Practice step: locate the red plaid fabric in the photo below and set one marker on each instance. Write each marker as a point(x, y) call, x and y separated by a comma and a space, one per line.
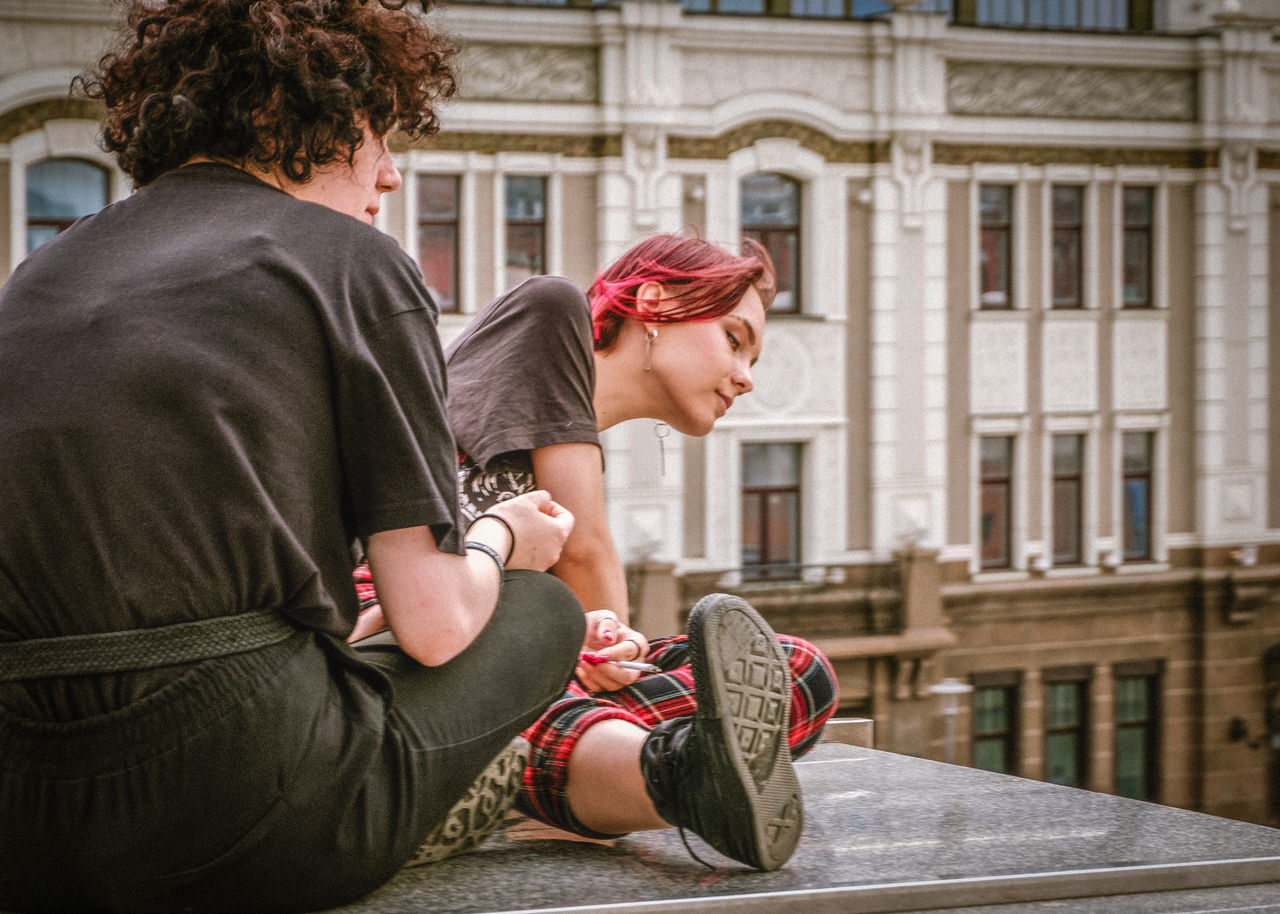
point(651, 699)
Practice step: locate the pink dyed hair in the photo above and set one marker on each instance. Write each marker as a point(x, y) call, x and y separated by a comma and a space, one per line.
point(703, 279)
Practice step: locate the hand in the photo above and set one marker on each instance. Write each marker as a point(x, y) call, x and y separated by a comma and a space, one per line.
point(608, 636)
point(540, 526)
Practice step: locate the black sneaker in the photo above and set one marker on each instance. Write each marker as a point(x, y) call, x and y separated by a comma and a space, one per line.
point(482, 808)
point(725, 773)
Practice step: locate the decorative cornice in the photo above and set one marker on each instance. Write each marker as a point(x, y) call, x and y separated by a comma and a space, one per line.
point(521, 73)
point(833, 150)
point(1096, 93)
point(967, 154)
point(27, 118)
point(579, 146)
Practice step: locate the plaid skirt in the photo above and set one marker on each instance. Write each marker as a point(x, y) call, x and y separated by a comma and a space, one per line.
point(651, 699)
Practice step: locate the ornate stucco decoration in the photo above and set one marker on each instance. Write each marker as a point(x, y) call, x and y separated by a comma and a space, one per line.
point(1103, 93)
point(524, 73)
point(1238, 177)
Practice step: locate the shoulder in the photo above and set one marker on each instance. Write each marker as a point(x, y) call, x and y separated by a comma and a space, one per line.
point(550, 297)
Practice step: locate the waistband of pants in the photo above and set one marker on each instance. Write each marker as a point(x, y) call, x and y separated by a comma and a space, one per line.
point(142, 648)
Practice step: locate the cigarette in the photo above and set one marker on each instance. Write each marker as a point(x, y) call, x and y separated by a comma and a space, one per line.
point(636, 665)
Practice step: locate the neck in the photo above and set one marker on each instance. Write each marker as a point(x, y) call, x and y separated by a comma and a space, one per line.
point(619, 395)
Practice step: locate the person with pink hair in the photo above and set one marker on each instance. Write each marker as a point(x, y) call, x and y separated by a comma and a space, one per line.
point(669, 331)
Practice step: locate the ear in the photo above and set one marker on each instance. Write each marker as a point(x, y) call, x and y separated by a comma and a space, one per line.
point(649, 297)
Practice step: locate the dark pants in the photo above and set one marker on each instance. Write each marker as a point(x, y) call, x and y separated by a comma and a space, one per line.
point(293, 778)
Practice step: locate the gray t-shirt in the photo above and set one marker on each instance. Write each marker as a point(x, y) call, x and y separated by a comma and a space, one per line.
point(521, 376)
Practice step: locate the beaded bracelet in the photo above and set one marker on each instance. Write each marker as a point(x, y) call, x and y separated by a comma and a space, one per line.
point(491, 552)
point(501, 520)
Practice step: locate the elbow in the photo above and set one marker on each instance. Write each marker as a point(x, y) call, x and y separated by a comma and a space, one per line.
point(435, 648)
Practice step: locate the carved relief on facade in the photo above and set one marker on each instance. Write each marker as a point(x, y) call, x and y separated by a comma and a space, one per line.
point(1070, 367)
point(1103, 93)
point(524, 73)
point(715, 77)
point(998, 377)
point(1140, 358)
point(784, 376)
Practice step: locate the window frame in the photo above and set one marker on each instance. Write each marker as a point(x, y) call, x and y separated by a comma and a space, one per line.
point(1151, 674)
point(1149, 514)
point(772, 570)
point(1145, 230)
point(1009, 685)
point(421, 223)
point(792, 233)
point(541, 223)
point(1079, 680)
point(1005, 231)
point(1075, 229)
point(1079, 479)
point(985, 484)
point(58, 223)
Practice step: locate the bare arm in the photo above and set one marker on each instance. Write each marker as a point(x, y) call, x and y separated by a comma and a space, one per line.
point(435, 602)
point(589, 563)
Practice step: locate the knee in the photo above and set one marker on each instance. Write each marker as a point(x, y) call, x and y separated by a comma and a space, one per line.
point(549, 606)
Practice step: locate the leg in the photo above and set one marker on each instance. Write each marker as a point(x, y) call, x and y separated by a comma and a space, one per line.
point(655, 698)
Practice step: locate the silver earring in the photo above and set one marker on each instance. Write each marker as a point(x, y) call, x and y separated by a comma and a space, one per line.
point(650, 335)
point(662, 431)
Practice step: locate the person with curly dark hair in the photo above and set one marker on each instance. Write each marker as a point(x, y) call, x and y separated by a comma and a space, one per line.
point(213, 389)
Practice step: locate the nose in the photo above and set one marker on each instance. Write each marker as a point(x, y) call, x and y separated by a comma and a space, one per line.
point(742, 378)
point(388, 176)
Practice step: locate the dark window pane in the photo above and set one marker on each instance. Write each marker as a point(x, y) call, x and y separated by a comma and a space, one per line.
point(1137, 246)
point(771, 215)
point(771, 509)
point(995, 202)
point(1068, 488)
point(1068, 215)
point(438, 237)
point(526, 197)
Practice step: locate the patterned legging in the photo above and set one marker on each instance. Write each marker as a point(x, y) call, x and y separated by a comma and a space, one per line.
point(651, 699)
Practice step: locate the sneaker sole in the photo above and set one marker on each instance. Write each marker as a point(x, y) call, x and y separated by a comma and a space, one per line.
point(482, 809)
point(739, 665)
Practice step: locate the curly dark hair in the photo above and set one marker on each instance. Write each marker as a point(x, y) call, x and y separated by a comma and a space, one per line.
point(274, 83)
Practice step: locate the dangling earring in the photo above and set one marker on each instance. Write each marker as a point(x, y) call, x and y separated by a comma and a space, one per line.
point(650, 335)
point(662, 431)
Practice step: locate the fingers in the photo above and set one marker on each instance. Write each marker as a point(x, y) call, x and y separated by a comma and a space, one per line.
point(541, 527)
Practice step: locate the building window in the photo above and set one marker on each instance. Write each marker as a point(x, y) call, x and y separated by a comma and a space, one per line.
point(1066, 726)
point(1068, 499)
point(526, 228)
point(771, 510)
point(1137, 712)
point(438, 237)
point(1068, 245)
point(995, 245)
point(1136, 282)
point(771, 216)
point(1137, 471)
point(60, 191)
point(995, 722)
point(1085, 15)
point(995, 501)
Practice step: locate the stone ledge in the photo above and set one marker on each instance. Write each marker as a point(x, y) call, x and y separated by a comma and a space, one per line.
point(883, 833)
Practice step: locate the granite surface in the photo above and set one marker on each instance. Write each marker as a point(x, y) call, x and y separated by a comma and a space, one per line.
point(883, 832)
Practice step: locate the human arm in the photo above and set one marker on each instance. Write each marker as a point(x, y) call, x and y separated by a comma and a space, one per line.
point(435, 602)
point(589, 563)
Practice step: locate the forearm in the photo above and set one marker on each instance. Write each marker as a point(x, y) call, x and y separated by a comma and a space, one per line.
point(435, 603)
point(590, 566)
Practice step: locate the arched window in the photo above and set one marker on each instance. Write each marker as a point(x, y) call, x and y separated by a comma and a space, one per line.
point(771, 215)
point(60, 191)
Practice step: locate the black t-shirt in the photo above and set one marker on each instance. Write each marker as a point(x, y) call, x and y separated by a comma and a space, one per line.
point(521, 376)
point(209, 390)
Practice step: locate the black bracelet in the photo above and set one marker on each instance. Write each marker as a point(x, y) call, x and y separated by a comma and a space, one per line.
point(491, 552)
point(503, 521)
